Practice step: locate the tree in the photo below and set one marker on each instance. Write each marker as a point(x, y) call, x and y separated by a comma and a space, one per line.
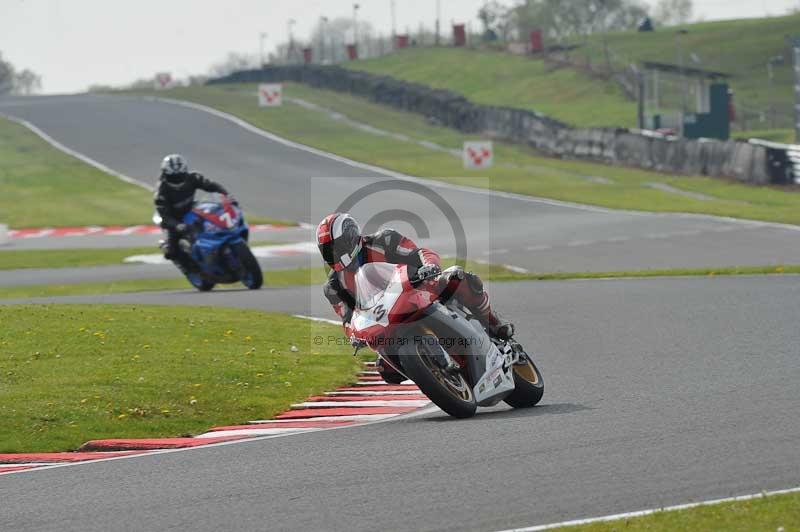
point(495, 19)
point(674, 12)
point(7, 75)
point(330, 37)
point(24, 82)
point(100, 88)
point(27, 82)
point(232, 63)
point(141, 84)
point(562, 19)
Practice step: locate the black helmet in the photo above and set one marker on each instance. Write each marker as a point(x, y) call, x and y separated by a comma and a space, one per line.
point(339, 240)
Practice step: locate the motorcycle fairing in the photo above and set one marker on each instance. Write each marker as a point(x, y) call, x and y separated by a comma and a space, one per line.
point(490, 368)
point(498, 380)
point(208, 248)
point(389, 308)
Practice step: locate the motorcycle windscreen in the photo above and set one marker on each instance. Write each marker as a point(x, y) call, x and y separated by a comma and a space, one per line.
point(371, 282)
point(378, 287)
point(218, 216)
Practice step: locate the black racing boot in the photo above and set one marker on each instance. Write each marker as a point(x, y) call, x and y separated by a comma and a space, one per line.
point(185, 263)
point(388, 373)
point(497, 326)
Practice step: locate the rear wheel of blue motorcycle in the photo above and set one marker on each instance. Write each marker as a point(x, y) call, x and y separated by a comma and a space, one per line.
point(251, 275)
point(528, 385)
point(448, 389)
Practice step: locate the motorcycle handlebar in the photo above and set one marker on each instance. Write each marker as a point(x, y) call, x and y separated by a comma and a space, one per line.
point(417, 279)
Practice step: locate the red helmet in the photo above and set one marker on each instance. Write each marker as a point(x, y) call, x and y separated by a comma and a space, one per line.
point(339, 240)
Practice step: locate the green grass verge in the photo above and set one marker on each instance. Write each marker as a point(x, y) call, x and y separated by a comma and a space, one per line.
point(258, 220)
point(311, 276)
point(71, 373)
point(519, 169)
point(502, 274)
point(43, 187)
point(73, 258)
point(768, 514)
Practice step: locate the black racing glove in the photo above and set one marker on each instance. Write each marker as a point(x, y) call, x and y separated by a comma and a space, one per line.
point(181, 229)
point(426, 273)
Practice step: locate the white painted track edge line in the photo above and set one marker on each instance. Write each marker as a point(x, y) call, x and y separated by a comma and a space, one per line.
point(73, 153)
point(441, 184)
point(373, 394)
point(403, 403)
point(643, 513)
point(312, 318)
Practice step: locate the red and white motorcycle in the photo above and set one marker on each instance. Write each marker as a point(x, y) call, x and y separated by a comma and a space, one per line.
point(438, 344)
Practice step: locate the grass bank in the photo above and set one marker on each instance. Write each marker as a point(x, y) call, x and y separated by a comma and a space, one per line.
point(498, 78)
point(43, 187)
point(738, 47)
point(73, 373)
point(518, 169)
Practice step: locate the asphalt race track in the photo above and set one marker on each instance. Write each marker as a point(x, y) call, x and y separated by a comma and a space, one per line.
point(131, 135)
point(659, 391)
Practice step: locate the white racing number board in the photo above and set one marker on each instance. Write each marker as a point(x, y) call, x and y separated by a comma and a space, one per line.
point(478, 155)
point(163, 81)
point(270, 95)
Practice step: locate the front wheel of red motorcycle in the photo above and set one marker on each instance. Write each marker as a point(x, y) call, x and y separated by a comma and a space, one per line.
point(448, 389)
point(528, 385)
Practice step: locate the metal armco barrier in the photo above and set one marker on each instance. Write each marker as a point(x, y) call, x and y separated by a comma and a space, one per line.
point(750, 162)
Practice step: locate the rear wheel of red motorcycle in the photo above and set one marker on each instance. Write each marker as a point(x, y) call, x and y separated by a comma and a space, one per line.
point(449, 390)
point(251, 274)
point(528, 385)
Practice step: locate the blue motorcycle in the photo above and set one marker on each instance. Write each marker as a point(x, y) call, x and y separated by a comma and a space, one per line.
point(217, 243)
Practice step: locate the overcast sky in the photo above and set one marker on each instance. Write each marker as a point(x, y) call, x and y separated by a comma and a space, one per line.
point(74, 43)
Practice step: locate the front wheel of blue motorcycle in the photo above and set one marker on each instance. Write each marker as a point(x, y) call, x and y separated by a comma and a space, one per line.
point(250, 275)
point(198, 282)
